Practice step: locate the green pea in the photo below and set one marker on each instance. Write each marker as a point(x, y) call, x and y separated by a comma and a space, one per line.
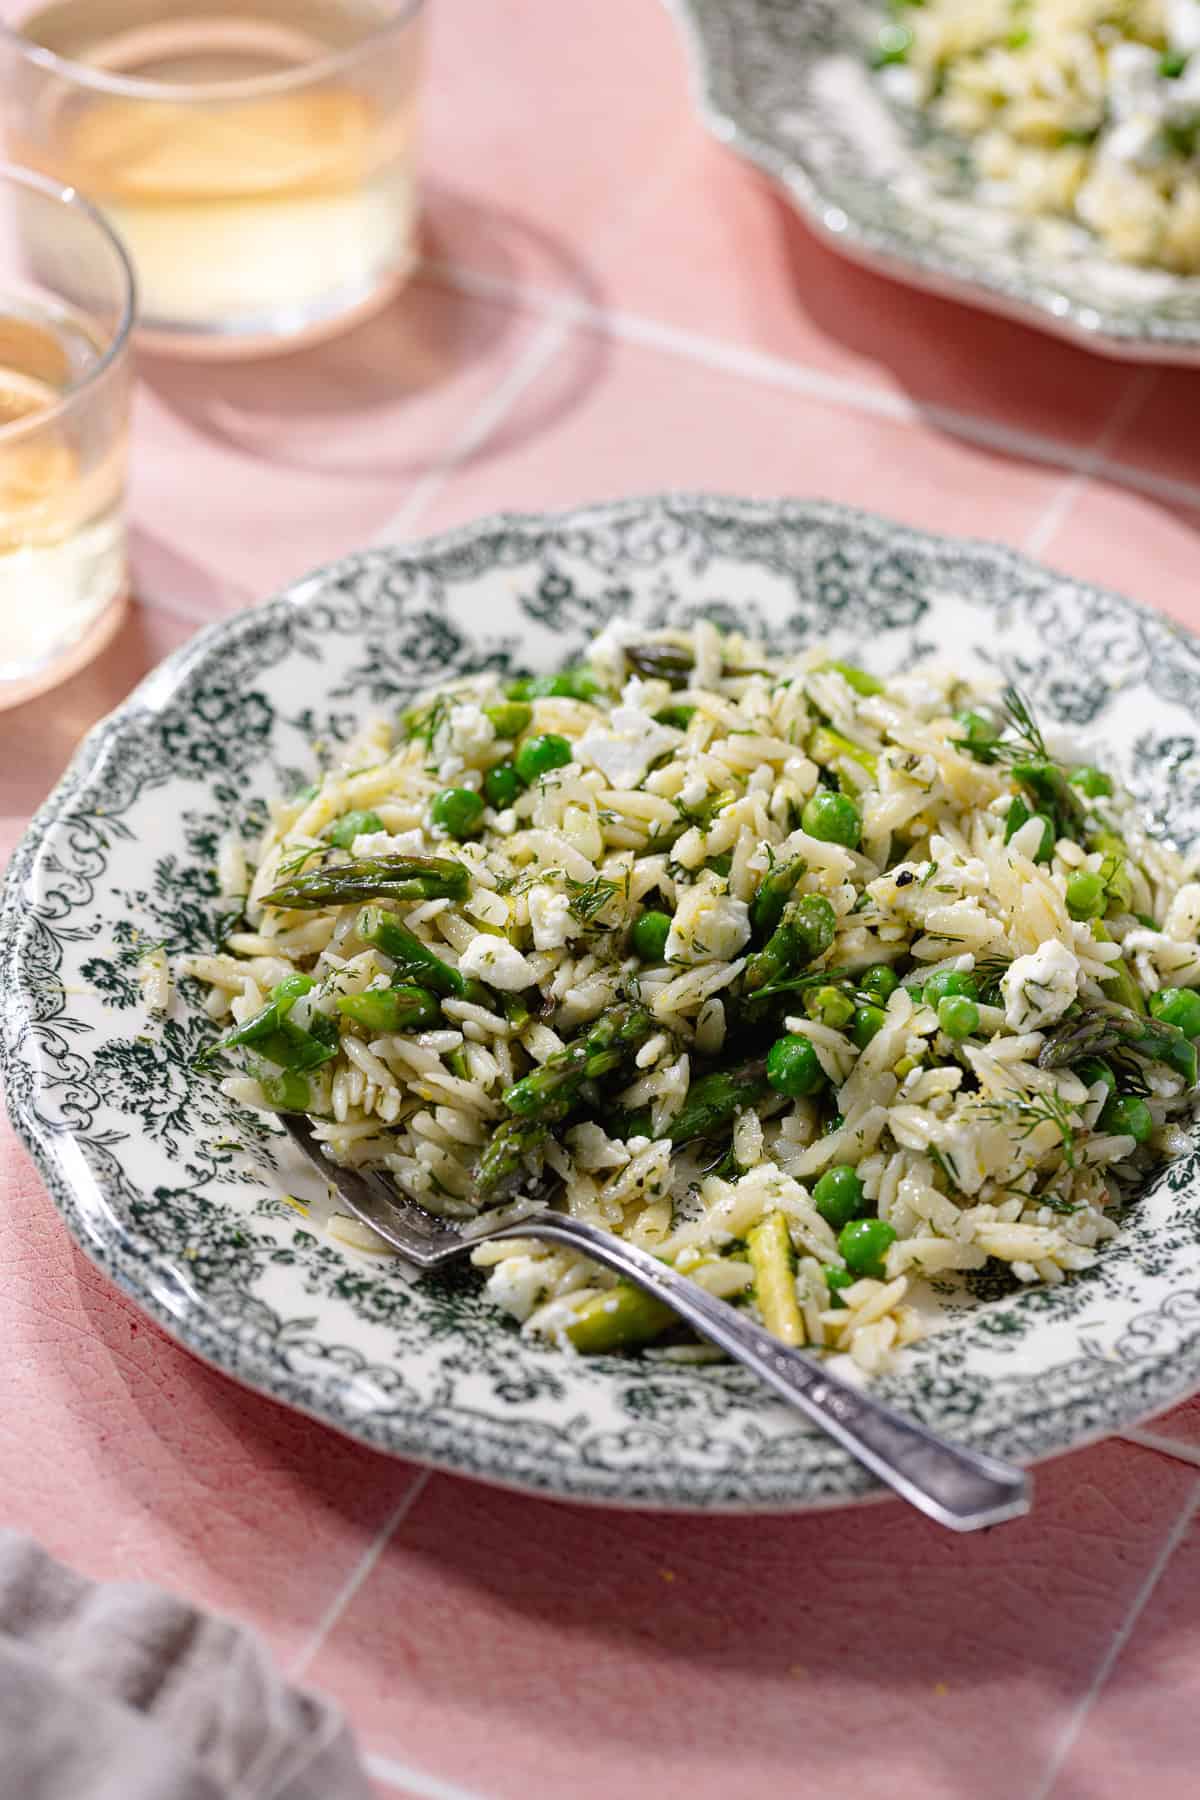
point(793, 1067)
point(891, 46)
point(509, 719)
point(813, 924)
point(833, 818)
point(678, 716)
point(868, 1023)
point(649, 936)
point(831, 1005)
point(538, 755)
point(352, 825)
point(456, 811)
point(864, 1243)
point(289, 990)
point(979, 736)
point(949, 981)
point(838, 1196)
point(1128, 1116)
point(835, 1279)
point(1091, 1069)
point(880, 982)
point(1172, 63)
point(958, 1016)
point(502, 786)
point(571, 684)
point(1178, 1006)
point(1087, 897)
point(1092, 782)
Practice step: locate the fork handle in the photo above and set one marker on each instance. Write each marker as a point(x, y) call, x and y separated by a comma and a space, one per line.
point(959, 1488)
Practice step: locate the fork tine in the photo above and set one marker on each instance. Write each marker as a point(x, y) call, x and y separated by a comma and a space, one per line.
point(428, 1242)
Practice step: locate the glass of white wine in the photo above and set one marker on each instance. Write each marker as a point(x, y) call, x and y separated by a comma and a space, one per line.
point(66, 311)
point(255, 156)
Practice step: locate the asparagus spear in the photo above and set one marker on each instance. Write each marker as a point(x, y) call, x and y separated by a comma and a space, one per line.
point(778, 885)
point(601, 1049)
point(713, 1100)
point(1051, 792)
point(621, 1318)
point(858, 679)
point(264, 1023)
point(415, 960)
point(374, 878)
point(286, 1090)
point(804, 933)
point(1118, 977)
point(1117, 1028)
point(672, 663)
point(828, 748)
point(403, 1008)
point(770, 1250)
point(505, 1151)
point(1114, 870)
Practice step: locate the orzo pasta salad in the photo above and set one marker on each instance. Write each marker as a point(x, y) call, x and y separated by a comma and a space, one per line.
point(824, 988)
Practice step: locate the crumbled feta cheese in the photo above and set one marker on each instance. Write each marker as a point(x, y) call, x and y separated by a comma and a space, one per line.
point(470, 730)
point(624, 749)
point(1039, 988)
point(693, 791)
point(1183, 25)
point(518, 1284)
point(505, 822)
point(496, 961)
point(708, 926)
point(550, 918)
point(608, 649)
point(384, 843)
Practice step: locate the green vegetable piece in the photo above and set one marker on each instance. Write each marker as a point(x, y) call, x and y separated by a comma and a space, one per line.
point(958, 1016)
point(679, 717)
point(414, 960)
point(831, 750)
point(648, 938)
point(352, 825)
point(793, 1067)
point(1018, 815)
point(1091, 781)
point(291, 1047)
point(980, 737)
point(833, 818)
point(713, 1100)
point(831, 1005)
point(457, 811)
point(805, 932)
point(374, 878)
point(1127, 1116)
point(858, 679)
point(457, 1063)
point(537, 756)
point(1172, 63)
point(864, 1243)
point(868, 1023)
point(267, 1021)
point(1046, 784)
point(814, 923)
point(569, 684)
point(1179, 1007)
point(892, 45)
point(836, 1279)
point(510, 718)
point(613, 1040)
point(879, 983)
point(770, 1250)
point(1100, 1029)
point(286, 1091)
point(1086, 895)
point(621, 1318)
point(1118, 978)
point(672, 663)
point(502, 786)
point(838, 1195)
point(391, 1009)
point(949, 981)
point(775, 890)
point(501, 1163)
point(1091, 1069)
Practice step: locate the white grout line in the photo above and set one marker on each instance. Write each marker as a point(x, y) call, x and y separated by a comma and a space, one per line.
point(385, 1769)
point(1082, 1712)
point(1150, 1440)
point(362, 1569)
point(482, 422)
point(857, 396)
point(1063, 501)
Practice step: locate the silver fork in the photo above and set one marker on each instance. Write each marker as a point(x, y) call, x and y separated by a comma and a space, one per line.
point(959, 1488)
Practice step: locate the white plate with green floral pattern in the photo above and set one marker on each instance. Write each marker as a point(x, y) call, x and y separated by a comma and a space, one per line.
point(180, 1197)
point(787, 84)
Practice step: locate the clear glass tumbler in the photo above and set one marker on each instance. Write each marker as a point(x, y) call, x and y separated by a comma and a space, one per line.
point(255, 156)
point(66, 310)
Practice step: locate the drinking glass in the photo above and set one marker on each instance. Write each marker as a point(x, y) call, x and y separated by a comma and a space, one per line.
point(66, 309)
point(255, 156)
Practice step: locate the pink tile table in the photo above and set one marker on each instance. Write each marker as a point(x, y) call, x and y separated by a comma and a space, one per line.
point(609, 304)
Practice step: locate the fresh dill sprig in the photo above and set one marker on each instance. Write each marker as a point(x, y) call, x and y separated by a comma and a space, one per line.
point(1019, 738)
point(590, 897)
point(1025, 1112)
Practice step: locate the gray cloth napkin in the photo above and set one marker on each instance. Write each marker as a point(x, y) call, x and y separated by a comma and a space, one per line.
point(126, 1693)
